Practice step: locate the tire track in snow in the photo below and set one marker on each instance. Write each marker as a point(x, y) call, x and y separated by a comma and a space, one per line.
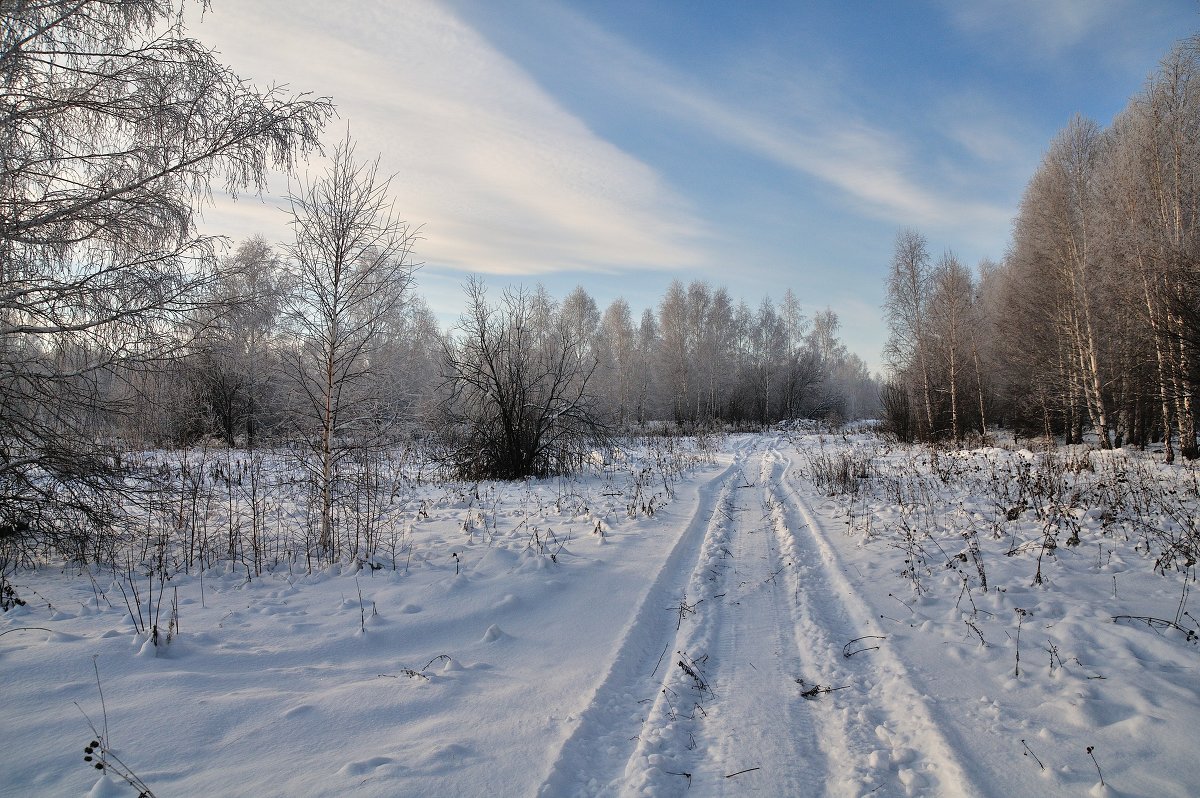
point(760, 728)
point(734, 721)
point(717, 712)
point(894, 746)
point(767, 605)
point(594, 758)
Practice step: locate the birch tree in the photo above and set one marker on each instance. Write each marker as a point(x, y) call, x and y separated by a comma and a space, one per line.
point(350, 270)
point(117, 126)
point(1057, 222)
point(676, 349)
point(1165, 135)
point(647, 403)
point(616, 351)
point(234, 350)
point(950, 323)
point(906, 309)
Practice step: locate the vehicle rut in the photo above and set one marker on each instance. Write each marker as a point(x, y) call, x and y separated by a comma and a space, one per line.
point(594, 758)
point(732, 678)
point(896, 748)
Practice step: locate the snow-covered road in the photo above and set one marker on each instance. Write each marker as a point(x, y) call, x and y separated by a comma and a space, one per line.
point(751, 692)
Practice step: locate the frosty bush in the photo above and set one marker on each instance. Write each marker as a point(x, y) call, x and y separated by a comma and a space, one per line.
point(516, 381)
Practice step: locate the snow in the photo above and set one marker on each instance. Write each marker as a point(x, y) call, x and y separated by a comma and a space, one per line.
point(751, 634)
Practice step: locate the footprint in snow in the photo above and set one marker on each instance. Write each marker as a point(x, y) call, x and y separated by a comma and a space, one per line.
point(444, 758)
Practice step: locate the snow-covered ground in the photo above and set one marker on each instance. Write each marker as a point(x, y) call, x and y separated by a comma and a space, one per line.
point(796, 614)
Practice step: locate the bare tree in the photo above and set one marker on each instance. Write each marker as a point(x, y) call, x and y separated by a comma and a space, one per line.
point(115, 126)
point(616, 351)
point(983, 333)
point(517, 377)
point(1097, 296)
point(409, 364)
point(1057, 228)
point(799, 373)
point(1158, 190)
point(234, 347)
point(715, 342)
point(580, 313)
point(676, 348)
point(906, 309)
point(827, 368)
point(350, 271)
point(767, 348)
point(646, 402)
point(950, 324)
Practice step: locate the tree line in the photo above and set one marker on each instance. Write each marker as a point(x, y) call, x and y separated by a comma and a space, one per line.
point(279, 367)
point(1090, 325)
point(122, 325)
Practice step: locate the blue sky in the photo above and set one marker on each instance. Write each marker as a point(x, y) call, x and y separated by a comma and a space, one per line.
point(758, 145)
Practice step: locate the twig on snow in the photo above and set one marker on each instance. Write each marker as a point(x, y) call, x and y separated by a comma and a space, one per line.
point(26, 629)
point(1029, 752)
point(847, 653)
point(660, 659)
point(1158, 623)
point(817, 689)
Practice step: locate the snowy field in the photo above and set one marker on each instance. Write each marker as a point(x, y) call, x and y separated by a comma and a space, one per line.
point(784, 614)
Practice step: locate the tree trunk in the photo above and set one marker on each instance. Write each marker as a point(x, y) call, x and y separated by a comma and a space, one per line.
point(327, 431)
point(926, 391)
point(979, 386)
point(954, 393)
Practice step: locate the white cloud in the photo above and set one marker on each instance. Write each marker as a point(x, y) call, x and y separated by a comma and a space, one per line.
point(985, 131)
point(502, 179)
point(1047, 27)
point(813, 134)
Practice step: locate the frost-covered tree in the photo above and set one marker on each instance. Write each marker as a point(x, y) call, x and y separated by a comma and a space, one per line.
point(647, 398)
point(1089, 328)
point(951, 323)
point(1058, 221)
point(617, 354)
point(349, 270)
point(906, 311)
point(116, 126)
point(517, 389)
point(233, 358)
point(580, 313)
point(676, 348)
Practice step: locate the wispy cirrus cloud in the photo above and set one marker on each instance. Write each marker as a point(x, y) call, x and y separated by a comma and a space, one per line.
point(1046, 27)
point(502, 178)
point(867, 165)
point(1107, 39)
point(802, 126)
